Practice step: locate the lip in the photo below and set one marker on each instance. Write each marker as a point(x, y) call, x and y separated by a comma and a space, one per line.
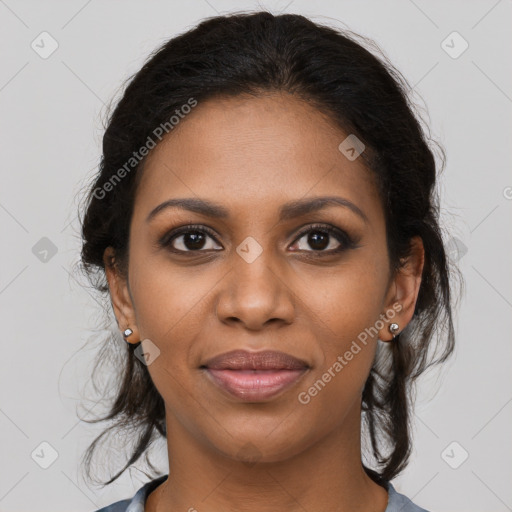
point(264, 360)
point(255, 376)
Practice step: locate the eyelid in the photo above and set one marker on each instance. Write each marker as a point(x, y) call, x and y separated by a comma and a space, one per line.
point(345, 239)
point(170, 235)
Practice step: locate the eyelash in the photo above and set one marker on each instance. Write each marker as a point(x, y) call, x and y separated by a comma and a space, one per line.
point(345, 240)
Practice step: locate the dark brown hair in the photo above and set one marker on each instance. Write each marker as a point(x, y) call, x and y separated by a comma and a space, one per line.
point(365, 95)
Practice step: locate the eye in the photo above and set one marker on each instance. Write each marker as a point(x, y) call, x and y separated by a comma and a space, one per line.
point(324, 238)
point(190, 239)
point(320, 238)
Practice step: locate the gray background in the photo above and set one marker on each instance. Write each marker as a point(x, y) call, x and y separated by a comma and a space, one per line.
point(51, 129)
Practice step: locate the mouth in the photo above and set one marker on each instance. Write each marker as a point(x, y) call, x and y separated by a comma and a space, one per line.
point(254, 376)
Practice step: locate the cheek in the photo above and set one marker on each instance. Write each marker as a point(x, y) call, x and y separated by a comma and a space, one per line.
point(343, 301)
point(171, 305)
point(169, 300)
point(343, 309)
point(344, 325)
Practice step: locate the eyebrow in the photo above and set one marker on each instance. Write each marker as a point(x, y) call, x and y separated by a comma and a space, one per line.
point(288, 211)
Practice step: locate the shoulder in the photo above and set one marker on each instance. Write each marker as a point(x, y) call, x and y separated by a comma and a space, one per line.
point(400, 503)
point(137, 502)
point(118, 506)
point(396, 503)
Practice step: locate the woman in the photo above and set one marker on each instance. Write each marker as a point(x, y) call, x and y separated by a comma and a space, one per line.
point(265, 223)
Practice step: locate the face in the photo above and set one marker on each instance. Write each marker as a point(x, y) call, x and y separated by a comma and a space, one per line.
point(262, 271)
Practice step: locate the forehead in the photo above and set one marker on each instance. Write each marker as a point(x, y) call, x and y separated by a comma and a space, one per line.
point(247, 151)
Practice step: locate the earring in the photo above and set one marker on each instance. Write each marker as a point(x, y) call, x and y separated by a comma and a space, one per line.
point(127, 333)
point(393, 329)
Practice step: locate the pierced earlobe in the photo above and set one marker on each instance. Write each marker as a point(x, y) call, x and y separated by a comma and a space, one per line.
point(126, 334)
point(393, 329)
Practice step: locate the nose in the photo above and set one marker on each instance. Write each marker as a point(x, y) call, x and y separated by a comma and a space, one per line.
point(255, 295)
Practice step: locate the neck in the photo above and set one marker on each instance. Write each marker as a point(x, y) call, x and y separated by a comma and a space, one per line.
point(327, 476)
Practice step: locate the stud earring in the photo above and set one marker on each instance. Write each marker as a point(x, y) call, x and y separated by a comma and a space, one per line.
point(127, 333)
point(393, 329)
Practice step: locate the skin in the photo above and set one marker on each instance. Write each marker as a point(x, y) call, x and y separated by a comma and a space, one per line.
point(251, 155)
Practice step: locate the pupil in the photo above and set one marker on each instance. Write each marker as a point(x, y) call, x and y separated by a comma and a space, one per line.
point(194, 240)
point(318, 240)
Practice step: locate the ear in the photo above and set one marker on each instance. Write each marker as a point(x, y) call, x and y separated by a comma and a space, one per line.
point(403, 290)
point(120, 296)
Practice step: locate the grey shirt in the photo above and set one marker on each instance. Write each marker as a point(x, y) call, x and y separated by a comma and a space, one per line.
point(396, 503)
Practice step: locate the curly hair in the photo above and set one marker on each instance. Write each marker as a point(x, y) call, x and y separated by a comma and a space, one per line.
point(255, 53)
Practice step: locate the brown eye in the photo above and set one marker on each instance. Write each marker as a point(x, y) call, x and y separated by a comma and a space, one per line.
point(190, 239)
point(323, 238)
